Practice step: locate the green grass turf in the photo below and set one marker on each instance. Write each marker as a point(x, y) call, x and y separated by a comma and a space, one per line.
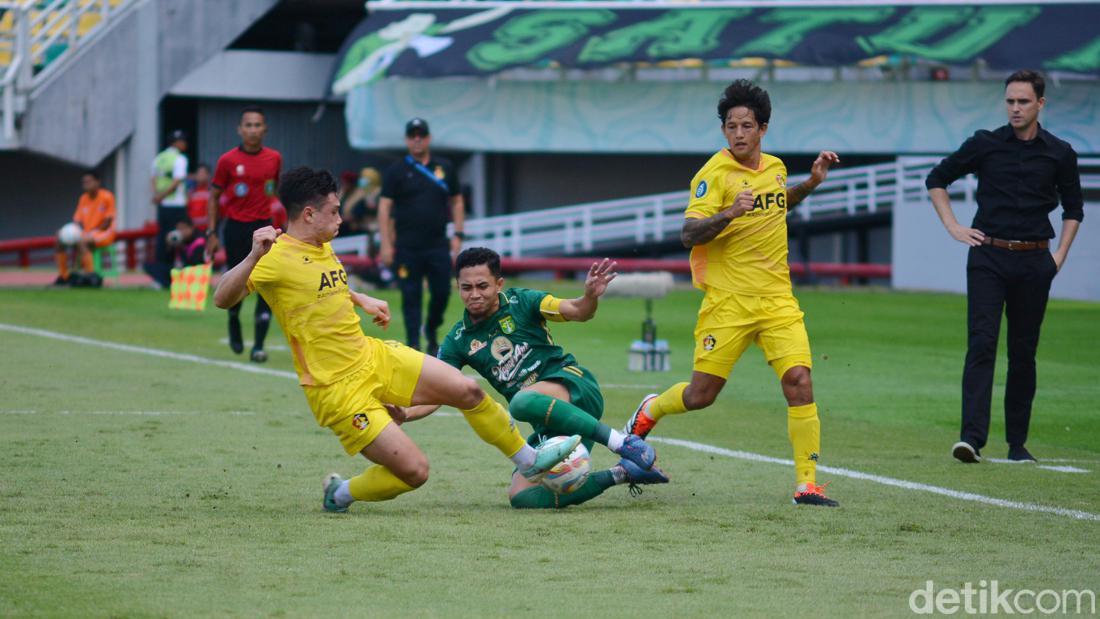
point(133, 485)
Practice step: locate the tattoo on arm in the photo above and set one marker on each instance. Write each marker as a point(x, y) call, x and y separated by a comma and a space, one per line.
point(702, 231)
point(798, 194)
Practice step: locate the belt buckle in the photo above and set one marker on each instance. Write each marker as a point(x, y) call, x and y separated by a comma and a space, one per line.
point(1014, 245)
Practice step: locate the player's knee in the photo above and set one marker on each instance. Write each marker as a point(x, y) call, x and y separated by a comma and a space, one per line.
point(470, 394)
point(797, 377)
point(415, 473)
point(798, 386)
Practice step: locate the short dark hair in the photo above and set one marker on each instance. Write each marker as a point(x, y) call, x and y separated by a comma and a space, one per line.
point(185, 220)
point(91, 173)
point(253, 108)
point(201, 166)
point(476, 256)
point(1031, 77)
point(744, 93)
point(304, 186)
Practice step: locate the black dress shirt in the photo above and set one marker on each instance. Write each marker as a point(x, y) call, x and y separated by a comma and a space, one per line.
point(1018, 182)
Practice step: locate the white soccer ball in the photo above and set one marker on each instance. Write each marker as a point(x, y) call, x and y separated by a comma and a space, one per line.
point(569, 474)
point(70, 233)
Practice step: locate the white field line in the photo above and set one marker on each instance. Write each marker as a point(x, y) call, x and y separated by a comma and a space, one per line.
point(153, 352)
point(886, 481)
point(124, 413)
point(701, 447)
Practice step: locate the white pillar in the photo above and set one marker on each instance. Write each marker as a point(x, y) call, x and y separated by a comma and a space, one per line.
point(143, 145)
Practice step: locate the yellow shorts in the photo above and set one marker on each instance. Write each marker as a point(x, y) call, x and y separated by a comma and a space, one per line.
point(729, 322)
point(352, 406)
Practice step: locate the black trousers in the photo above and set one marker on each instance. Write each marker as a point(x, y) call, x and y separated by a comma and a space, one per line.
point(237, 240)
point(167, 218)
point(1016, 284)
point(412, 267)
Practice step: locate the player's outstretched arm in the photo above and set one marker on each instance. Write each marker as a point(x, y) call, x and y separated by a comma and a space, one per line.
point(233, 286)
point(584, 307)
point(818, 171)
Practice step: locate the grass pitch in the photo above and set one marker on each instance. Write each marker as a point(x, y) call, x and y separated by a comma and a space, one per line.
point(134, 485)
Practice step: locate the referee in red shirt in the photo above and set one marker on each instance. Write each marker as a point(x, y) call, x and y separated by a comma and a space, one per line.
point(249, 177)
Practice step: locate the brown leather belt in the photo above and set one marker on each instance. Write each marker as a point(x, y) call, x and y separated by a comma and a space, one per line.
point(1015, 245)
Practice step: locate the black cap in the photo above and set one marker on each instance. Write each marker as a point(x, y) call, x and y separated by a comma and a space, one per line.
point(178, 134)
point(417, 125)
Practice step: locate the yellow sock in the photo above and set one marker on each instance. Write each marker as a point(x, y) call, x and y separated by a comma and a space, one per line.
point(495, 426)
point(671, 402)
point(377, 483)
point(804, 429)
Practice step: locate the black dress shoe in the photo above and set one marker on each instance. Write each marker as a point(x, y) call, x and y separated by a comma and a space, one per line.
point(965, 452)
point(1019, 453)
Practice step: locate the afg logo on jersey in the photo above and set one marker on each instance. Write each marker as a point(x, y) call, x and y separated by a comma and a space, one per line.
point(709, 342)
point(360, 421)
point(331, 278)
point(700, 189)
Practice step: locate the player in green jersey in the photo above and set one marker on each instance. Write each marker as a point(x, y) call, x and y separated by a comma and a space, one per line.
point(504, 337)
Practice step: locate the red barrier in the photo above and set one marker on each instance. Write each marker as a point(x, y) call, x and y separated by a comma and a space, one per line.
point(563, 267)
point(23, 247)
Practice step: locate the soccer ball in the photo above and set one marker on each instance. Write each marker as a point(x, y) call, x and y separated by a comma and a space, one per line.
point(569, 474)
point(70, 233)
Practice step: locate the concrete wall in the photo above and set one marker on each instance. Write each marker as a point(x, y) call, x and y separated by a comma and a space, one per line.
point(927, 258)
point(39, 194)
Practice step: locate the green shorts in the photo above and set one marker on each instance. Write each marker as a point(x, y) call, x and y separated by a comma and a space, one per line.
point(584, 393)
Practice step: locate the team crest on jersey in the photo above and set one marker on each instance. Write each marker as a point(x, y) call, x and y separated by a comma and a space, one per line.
point(507, 325)
point(501, 348)
point(709, 342)
point(360, 421)
point(439, 172)
point(475, 345)
point(240, 189)
point(782, 181)
point(701, 189)
point(269, 187)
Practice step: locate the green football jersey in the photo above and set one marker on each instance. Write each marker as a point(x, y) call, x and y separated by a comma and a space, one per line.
point(512, 348)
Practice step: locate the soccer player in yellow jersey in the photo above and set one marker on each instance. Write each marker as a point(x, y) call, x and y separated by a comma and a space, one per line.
point(736, 227)
point(350, 379)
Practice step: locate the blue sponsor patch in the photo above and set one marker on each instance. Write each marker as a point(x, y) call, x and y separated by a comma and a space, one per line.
point(701, 189)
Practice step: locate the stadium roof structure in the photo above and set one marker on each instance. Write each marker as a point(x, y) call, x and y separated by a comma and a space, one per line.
point(443, 38)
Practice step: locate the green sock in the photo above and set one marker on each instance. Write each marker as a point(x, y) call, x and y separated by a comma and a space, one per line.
point(539, 497)
point(558, 416)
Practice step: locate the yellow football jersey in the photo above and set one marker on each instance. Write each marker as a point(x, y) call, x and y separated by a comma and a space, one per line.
point(749, 256)
point(307, 289)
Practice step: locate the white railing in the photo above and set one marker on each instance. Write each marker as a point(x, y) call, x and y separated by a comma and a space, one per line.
point(582, 228)
point(42, 34)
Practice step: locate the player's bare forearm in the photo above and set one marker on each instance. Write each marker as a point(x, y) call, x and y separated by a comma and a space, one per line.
point(580, 309)
point(799, 192)
point(412, 413)
point(702, 231)
point(233, 286)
